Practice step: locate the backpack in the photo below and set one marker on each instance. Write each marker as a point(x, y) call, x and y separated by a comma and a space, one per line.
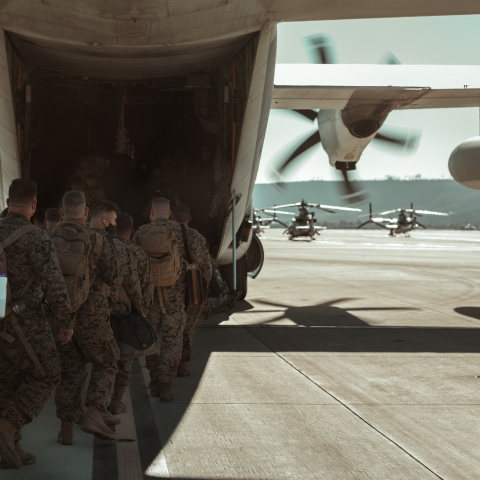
point(73, 249)
point(196, 294)
point(158, 243)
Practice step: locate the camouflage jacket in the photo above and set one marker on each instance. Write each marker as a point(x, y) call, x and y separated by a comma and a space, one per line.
point(104, 273)
point(201, 257)
point(35, 254)
point(140, 267)
point(178, 238)
point(130, 282)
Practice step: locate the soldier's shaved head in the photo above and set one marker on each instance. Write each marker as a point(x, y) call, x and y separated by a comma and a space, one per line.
point(182, 213)
point(74, 204)
point(124, 224)
point(160, 208)
point(22, 191)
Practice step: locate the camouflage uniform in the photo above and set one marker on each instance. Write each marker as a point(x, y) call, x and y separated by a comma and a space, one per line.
point(169, 326)
point(23, 391)
point(93, 340)
point(137, 289)
point(206, 269)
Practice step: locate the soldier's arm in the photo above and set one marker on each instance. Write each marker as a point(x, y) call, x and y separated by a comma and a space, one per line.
point(146, 277)
point(206, 263)
point(130, 283)
point(44, 260)
point(137, 237)
point(108, 265)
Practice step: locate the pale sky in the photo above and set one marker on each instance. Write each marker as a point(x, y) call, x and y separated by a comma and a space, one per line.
point(421, 41)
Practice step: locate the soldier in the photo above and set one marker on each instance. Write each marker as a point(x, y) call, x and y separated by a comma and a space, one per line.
point(94, 342)
point(182, 216)
point(53, 218)
point(29, 364)
point(139, 266)
point(168, 310)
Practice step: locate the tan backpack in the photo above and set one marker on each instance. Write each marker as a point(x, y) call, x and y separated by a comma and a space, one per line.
point(159, 244)
point(73, 249)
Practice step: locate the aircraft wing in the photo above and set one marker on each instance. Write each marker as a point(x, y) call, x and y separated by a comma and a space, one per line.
point(307, 86)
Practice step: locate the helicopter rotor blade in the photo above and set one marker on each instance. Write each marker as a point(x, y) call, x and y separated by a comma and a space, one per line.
point(286, 206)
point(364, 223)
point(388, 212)
point(277, 211)
point(428, 212)
point(422, 226)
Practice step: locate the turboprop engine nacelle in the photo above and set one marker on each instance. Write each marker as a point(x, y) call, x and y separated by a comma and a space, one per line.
point(464, 163)
point(346, 134)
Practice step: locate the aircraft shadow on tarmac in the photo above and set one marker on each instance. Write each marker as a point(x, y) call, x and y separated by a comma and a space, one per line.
point(353, 335)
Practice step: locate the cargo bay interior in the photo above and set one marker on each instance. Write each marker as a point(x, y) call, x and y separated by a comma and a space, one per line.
point(133, 140)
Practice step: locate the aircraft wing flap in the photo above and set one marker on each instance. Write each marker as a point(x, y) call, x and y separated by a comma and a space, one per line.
point(395, 86)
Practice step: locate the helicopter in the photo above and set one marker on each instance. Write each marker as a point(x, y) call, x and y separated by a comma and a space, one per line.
point(260, 224)
point(303, 224)
point(405, 223)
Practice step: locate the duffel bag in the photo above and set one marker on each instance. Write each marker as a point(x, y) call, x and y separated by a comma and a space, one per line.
point(134, 335)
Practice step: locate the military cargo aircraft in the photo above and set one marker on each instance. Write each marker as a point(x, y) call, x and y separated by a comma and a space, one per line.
point(149, 79)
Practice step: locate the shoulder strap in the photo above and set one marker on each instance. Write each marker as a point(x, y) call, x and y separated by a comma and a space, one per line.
point(185, 242)
point(19, 232)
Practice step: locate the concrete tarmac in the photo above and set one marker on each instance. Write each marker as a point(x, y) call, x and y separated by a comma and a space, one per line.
point(355, 356)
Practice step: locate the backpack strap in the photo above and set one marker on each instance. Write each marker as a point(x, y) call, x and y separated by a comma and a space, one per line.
point(19, 232)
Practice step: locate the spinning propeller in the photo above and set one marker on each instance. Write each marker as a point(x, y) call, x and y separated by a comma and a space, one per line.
point(321, 51)
point(326, 208)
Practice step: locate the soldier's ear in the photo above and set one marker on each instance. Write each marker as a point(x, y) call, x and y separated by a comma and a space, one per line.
point(87, 211)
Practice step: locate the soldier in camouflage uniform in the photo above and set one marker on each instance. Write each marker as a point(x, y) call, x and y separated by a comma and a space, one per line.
point(139, 268)
point(24, 388)
point(182, 216)
point(169, 325)
point(93, 342)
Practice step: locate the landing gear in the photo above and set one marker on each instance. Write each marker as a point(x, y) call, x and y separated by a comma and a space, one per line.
point(227, 275)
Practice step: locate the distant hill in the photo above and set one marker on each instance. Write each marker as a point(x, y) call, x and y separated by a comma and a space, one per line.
point(438, 195)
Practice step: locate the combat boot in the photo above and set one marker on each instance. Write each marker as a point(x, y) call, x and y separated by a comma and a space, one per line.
point(165, 392)
point(182, 370)
point(25, 458)
point(155, 389)
point(94, 424)
point(65, 435)
point(79, 419)
point(110, 419)
point(116, 405)
point(8, 451)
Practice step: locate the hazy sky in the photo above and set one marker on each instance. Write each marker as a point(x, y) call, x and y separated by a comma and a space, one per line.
point(431, 41)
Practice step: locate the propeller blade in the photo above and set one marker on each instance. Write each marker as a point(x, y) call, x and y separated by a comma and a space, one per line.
point(280, 222)
point(277, 211)
point(390, 59)
point(420, 225)
point(320, 49)
point(312, 140)
point(388, 212)
point(406, 141)
point(351, 194)
point(310, 114)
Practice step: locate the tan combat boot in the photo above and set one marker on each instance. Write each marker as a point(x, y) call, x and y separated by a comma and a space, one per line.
point(110, 419)
point(8, 451)
point(25, 458)
point(94, 424)
point(182, 370)
point(116, 405)
point(165, 392)
point(65, 435)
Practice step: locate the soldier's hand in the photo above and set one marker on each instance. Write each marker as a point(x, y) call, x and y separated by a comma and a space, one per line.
point(65, 335)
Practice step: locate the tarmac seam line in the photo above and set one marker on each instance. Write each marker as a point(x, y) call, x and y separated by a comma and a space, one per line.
point(349, 409)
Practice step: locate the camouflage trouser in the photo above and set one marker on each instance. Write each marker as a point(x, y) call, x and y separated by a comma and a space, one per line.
point(163, 367)
point(124, 370)
point(23, 391)
point(188, 333)
point(92, 343)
